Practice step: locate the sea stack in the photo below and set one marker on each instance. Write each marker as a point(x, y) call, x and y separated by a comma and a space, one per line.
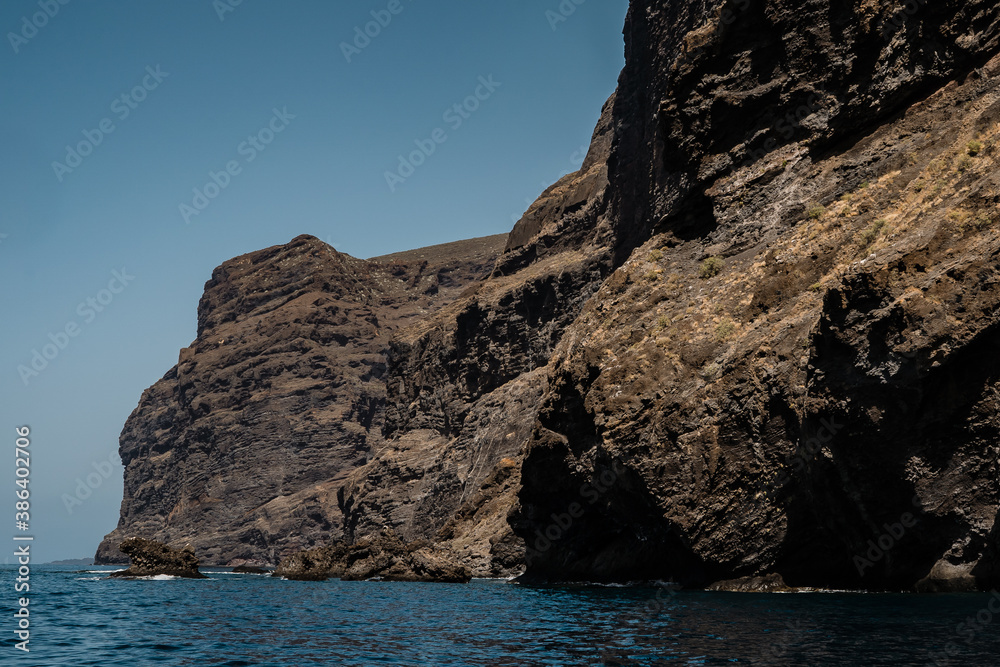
point(151, 559)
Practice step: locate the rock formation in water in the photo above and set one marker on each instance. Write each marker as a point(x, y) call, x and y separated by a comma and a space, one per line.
point(151, 559)
point(382, 556)
point(751, 339)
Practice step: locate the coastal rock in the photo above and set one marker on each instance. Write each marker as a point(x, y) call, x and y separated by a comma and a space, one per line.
point(770, 583)
point(249, 569)
point(241, 448)
point(150, 558)
point(464, 385)
point(383, 556)
point(946, 577)
point(752, 334)
point(790, 371)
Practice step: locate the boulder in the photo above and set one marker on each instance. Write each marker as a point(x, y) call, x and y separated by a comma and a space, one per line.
point(150, 559)
point(382, 557)
point(769, 583)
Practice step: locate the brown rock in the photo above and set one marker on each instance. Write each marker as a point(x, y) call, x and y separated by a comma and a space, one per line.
point(383, 556)
point(770, 583)
point(240, 449)
point(150, 559)
point(832, 381)
point(824, 384)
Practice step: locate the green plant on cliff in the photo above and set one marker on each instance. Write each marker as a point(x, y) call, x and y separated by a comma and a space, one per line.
point(981, 221)
point(869, 234)
point(815, 212)
point(970, 222)
point(711, 267)
point(724, 330)
point(974, 147)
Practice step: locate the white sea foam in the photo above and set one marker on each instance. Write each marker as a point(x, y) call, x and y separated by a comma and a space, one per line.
point(103, 571)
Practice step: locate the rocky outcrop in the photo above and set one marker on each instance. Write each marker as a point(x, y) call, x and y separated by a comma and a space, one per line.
point(792, 379)
point(383, 556)
point(240, 449)
point(151, 559)
point(771, 583)
point(465, 384)
point(748, 342)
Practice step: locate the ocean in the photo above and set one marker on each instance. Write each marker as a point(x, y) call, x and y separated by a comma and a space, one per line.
point(80, 617)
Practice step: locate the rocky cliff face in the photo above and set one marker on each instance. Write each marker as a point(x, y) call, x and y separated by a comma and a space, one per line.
point(464, 385)
point(749, 338)
point(240, 449)
point(788, 374)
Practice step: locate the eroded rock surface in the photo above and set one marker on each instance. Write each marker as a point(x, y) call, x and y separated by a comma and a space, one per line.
point(382, 556)
point(241, 448)
point(749, 341)
point(150, 559)
point(792, 364)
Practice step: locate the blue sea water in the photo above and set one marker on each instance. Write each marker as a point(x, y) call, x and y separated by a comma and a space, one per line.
point(82, 618)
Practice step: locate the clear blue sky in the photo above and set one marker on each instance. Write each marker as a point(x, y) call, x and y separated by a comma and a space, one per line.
point(195, 88)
